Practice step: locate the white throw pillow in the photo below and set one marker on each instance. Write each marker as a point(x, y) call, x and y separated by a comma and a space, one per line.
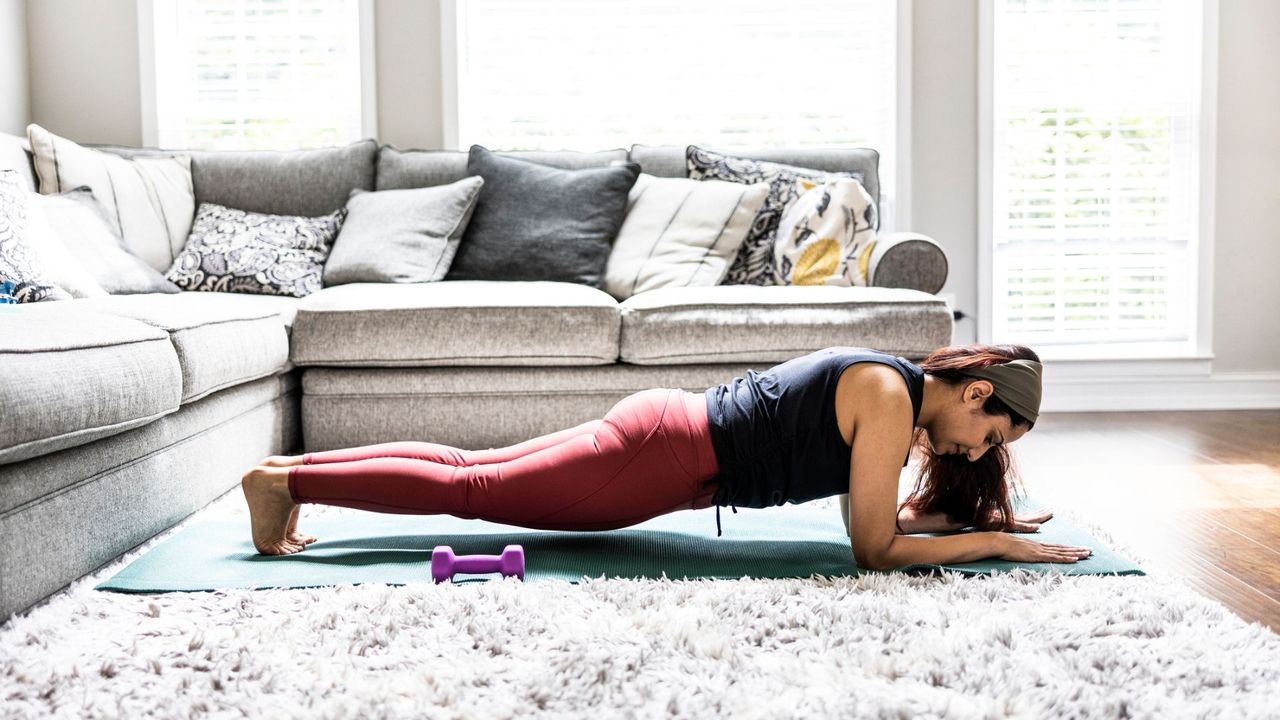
point(82, 224)
point(826, 236)
point(23, 276)
point(680, 233)
point(60, 267)
point(150, 199)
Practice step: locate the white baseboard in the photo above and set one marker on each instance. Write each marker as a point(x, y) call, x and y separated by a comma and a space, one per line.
point(1083, 392)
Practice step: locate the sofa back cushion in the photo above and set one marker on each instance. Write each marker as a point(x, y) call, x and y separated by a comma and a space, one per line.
point(399, 169)
point(309, 182)
point(669, 160)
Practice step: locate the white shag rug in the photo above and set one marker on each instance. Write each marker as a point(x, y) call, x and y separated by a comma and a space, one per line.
point(1022, 645)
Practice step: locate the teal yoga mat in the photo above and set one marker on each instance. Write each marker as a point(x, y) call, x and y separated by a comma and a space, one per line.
point(778, 542)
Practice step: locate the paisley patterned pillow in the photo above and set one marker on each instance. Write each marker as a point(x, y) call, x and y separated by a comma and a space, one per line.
point(21, 266)
point(754, 264)
point(240, 251)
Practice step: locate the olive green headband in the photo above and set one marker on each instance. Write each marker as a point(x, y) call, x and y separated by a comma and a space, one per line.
point(1016, 382)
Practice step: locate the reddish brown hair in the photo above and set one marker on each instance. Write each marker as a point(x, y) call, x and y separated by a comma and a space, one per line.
point(976, 493)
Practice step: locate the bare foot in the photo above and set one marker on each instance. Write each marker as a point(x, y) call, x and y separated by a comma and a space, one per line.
point(282, 460)
point(266, 490)
point(292, 532)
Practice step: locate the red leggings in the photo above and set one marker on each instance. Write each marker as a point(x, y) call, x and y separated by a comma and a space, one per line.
point(650, 455)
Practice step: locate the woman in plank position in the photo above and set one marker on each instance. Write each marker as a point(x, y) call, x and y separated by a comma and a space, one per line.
point(833, 422)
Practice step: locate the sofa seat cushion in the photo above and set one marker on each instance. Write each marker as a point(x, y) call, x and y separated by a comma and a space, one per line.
point(72, 376)
point(456, 322)
point(41, 478)
point(222, 339)
point(751, 323)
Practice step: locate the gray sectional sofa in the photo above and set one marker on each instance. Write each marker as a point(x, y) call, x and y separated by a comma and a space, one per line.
point(125, 414)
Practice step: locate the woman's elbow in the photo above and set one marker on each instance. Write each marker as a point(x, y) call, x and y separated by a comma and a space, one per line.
point(870, 560)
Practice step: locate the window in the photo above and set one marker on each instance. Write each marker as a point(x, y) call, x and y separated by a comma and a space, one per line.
point(256, 74)
point(591, 75)
point(1095, 189)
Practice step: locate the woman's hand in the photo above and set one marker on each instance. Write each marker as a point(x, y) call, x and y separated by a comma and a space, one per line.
point(1025, 550)
point(1026, 523)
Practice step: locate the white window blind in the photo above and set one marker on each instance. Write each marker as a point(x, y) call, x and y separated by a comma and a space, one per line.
point(257, 74)
point(1095, 170)
point(596, 74)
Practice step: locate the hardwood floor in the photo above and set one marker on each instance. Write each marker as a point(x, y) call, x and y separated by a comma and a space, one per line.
point(1196, 491)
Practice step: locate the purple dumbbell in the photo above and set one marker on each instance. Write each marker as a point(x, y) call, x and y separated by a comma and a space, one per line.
point(444, 563)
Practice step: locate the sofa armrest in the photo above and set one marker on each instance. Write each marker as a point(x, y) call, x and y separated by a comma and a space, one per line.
point(907, 260)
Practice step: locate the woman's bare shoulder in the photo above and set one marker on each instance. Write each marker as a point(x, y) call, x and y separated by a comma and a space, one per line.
point(873, 378)
point(868, 390)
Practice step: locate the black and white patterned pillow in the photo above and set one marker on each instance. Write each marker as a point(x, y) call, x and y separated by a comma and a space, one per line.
point(754, 264)
point(233, 250)
point(20, 265)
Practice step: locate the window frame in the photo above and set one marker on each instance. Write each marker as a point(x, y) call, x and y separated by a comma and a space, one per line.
point(1183, 357)
point(897, 195)
point(151, 45)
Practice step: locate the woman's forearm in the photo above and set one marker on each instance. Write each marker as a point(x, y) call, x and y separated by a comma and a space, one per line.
point(913, 522)
point(965, 547)
point(909, 520)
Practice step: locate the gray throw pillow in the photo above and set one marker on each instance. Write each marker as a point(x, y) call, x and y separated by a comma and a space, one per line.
point(233, 250)
point(406, 236)
point(754, 263)
point(536, 222)
point(85, 229)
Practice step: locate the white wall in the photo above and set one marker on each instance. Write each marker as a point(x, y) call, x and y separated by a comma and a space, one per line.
point(944, 144)
point(1246, 298)
point(84, 69)
point(88, 89)
point(15, 96)
point(408, 63)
